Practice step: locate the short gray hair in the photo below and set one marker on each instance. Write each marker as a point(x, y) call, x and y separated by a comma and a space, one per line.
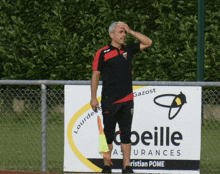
point(112, 27)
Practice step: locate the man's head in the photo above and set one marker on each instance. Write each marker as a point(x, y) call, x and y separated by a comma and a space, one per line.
point(117, 34)
point(112, 27)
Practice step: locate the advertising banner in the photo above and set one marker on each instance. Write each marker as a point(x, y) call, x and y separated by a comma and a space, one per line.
point(166, 131)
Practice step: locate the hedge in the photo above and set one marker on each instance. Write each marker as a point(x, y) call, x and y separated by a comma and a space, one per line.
point(57, 39)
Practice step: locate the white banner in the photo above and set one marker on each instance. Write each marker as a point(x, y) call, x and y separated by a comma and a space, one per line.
point(166, 131)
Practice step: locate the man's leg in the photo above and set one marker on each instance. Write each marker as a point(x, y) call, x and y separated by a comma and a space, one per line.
point(126, 149)
point(107, 168)
point(106, 161)
point(125, 127)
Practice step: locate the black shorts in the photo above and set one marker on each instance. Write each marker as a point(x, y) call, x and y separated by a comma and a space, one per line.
point(121, 113)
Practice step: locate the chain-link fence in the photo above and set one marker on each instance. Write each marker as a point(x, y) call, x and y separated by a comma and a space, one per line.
point(21, 128)
point(210, 153)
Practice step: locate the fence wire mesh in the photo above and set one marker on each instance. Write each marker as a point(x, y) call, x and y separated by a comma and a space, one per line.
point(20, 133)
point(210, 154)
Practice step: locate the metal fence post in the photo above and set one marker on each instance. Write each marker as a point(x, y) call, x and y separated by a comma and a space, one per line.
point(200, 52)
point(44, 126)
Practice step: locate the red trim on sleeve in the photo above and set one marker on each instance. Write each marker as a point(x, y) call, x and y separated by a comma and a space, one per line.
point(96, 58)
point(125, 99)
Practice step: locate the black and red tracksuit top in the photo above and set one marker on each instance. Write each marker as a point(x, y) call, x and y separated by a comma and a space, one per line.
point(116, 71)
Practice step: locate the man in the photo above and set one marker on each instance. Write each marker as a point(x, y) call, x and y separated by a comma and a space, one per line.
point(113, 62)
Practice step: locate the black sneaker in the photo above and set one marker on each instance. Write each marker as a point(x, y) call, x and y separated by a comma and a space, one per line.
point(106, 169)
point(127, 169)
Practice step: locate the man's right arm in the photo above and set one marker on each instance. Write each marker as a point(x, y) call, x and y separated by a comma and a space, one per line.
point(94, 86)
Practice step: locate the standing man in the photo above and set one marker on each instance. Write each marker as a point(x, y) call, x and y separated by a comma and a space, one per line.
point(113, 63)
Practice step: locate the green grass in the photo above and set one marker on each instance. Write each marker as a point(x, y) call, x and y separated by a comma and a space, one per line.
point(210, 153)
point(20, 147)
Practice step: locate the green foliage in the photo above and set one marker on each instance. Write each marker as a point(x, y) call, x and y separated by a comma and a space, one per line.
point(57, 39)
point(212, 41)
point(173, 54)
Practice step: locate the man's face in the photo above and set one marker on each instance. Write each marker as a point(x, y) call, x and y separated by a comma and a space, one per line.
point(119, 35)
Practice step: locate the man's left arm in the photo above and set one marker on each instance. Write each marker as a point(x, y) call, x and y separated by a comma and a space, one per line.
point(145, 41)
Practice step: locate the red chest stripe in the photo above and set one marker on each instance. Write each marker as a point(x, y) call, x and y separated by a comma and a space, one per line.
point(122, 51)
point(110, 55)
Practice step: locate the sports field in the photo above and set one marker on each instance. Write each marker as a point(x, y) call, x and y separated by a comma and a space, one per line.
point(21, 147)
point(210, 153)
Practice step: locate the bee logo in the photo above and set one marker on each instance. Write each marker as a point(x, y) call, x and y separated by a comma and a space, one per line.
point(178, 102)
